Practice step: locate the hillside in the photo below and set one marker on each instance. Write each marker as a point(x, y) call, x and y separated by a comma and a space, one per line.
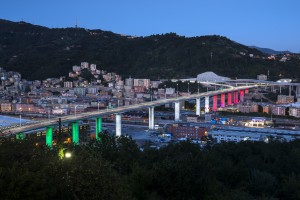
point(40, 52)
point(269, 51)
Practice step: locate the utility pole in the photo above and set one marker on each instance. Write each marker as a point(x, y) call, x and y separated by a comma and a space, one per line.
point(59, 141)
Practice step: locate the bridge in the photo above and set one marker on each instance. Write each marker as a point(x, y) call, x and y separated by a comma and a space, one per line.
point(234, 95)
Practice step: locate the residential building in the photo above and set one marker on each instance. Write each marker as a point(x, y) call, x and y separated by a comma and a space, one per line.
point(262, 77)
point(155, 84)
point(192, 118)
point(76, 68)
point(93, 67)
point(142, 83)
point(92, 90)
point(294, 111)
point(139, 89)
point(6, 107)
point(68, 84)
point(170, 91)
point(84, 65)
point(278, 110)
point(247, 108)
point(283, 99)
point(186, 131)
point(129, 82)
point(80, 91)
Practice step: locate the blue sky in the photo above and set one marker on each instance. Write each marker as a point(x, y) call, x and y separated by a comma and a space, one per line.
point(266, 23)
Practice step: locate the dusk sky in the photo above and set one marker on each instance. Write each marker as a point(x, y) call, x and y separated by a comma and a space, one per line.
point(265, 23)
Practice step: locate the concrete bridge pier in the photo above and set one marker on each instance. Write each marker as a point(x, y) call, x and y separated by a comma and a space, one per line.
point(242, 93)
point(222, 100)
point(198, 107)
point(20, 136)
point(49, 136)
point(279, 89)
point(272, 88)
point(235, 97)
point(215, 103)
point(75, 132)
point(98, 127)
point(151, 117)
point(118, 125)
point(206, 104)
point(229, 98)
point(297, 91)
point(177, 111)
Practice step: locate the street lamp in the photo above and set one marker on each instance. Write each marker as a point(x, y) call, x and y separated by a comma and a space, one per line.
point(20, 116)
point(68, 155)
point(75, 109)
point(48, 114)
point(198, 87)
point(177, 89)
point(188, 88)
point(165, 92)
point(150, 92)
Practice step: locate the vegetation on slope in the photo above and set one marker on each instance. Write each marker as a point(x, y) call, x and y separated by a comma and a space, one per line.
point(39, 52)
point(116, 169)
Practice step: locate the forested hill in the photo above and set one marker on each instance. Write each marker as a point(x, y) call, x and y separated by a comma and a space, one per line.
point(39, 52)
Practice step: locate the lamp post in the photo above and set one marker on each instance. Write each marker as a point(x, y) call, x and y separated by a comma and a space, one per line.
point(188, 88)
point(177, 89)
point(75, 109)
point(150, 92)
point(165, 92)
point(98, 107)
point(68, 155)
point(49, 115)
point(20, 116)
point(198, 87)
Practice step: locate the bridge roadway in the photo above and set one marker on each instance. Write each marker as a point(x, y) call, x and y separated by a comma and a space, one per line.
point(87, 115)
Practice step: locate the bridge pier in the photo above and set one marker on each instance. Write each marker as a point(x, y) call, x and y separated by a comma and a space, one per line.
point(151, 118)
point(290, 90)
point(229, 98)
point(235, 97)
point(279, 89)
point(242, 95)
point(98, 127)
point(206, 107)
point(297, 91)
point(198, 107)
point(20, 136)
point(215, 102)
point(75, 132)
point(272, 88)
point(222, 100)
point(49, 136)
point(177, 111)
point(118, 125)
